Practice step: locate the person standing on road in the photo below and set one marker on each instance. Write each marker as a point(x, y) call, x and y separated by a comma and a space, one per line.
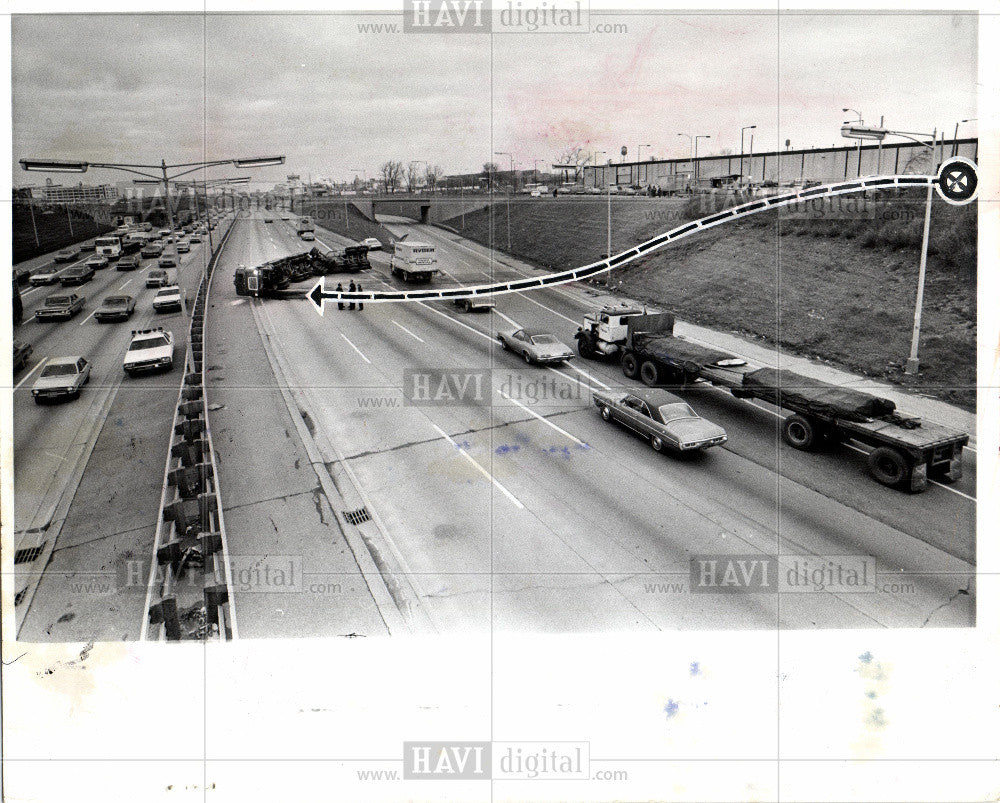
point(351, 289)
point(361, 304)
point(340, 302)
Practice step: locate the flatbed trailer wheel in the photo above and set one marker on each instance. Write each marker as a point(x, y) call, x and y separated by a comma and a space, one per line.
point(888, 466)
point(650, 374)
point(799, 432)
point(630, 365)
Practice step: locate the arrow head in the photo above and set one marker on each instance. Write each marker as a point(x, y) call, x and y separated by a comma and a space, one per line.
point(316, 296)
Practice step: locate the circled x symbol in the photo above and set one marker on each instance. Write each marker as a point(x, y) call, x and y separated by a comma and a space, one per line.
point(958, 182)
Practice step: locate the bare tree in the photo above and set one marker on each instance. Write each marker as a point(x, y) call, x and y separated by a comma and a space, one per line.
point(412, 174)
point(490, 171)
point(434, 175)
point(392, 172)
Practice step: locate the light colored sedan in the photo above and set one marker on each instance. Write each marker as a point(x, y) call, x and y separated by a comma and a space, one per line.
point(665, 419)
point(535, 346)
point(372, 244)
point(62, 377)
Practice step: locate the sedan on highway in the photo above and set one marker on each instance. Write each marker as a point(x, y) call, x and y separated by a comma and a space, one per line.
point(97, 262)
point(150, 350)
point(80, 274)
point(183, 247)
point(156, 278)
point(152, 250)
point(168, 260)
point(535, 346)
point(130, 262)
point(61, 305)
point(372, 243)
point(195, 238)
point(168, 298)
point(67, 255)
point(49, 274)
point(61, 377)
point(115, 308)
point(665, 419)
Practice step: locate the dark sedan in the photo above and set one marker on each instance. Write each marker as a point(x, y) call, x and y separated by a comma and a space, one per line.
point(80, 274)
point(115, 308)
point(665, 419)
point(130, 262)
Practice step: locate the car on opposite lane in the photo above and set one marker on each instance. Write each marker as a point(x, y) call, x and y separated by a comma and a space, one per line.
point(666, 420)
point(535, 346)
point(22, 351)
point(168, 298)
point(60, 305)
point(194, 238)
point(78, 274)
point(130, 262)
point(115, 308)
point(61, 377)
point(67, 255)
point(149, 350)
point(47, 274)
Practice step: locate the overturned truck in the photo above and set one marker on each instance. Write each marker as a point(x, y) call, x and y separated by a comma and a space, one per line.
point(272, 279)
point(904, 450)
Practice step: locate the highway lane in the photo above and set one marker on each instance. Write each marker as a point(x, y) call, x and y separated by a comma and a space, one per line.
point(92, 485)
point(497, 510)
point(940, 516)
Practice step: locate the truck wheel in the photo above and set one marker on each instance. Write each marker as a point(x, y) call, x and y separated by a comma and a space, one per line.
point(888, 466)
point(630, 365)
point(798, 432)
point(585, 348)
point(656, 443)
point(650, 374)
point(606, 413)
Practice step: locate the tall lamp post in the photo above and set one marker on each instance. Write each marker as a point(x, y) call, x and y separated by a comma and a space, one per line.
point(63, 166)
point(860, 132)
point(690, 151)
point(700, 136)
point(742, 131)
point(859, 121)
point(506, 153)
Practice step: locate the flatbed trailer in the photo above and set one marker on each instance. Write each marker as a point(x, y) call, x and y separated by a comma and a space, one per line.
point(905, 451)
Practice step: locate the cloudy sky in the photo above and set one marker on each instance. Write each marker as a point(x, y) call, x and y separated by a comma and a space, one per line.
point(333, 98)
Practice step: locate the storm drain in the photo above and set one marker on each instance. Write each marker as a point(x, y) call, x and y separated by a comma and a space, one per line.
point(358, 516)
point(29, 554)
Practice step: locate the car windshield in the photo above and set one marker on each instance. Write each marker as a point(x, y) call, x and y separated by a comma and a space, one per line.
point(115, 301)
point(56, 301)
point(544, 340)
point(59, 369)
point(148, 343)
point(168, 291)
point(676, 411)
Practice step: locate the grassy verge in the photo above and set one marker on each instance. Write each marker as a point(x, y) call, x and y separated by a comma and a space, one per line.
point(839, 288)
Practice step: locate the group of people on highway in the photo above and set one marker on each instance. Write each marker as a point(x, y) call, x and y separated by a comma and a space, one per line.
point(351, 288)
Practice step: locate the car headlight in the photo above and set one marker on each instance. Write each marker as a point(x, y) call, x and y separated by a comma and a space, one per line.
point(165, 360)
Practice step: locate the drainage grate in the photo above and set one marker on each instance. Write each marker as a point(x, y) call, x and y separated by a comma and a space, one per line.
point(29, 554)
point(357, 516)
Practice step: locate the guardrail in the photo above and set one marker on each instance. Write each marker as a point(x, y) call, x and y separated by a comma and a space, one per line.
point(188, 594)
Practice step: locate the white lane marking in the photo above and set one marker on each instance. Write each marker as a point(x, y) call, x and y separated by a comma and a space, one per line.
point(953, 490)
point(125, 285)
point(25, 378)
point(507, 318)
point(408, 331)
point(593, 379)
point(453, 320)
point(527, 297)
point(543, 419)
point(481, 470)
point(87, 318)
point(349, 343)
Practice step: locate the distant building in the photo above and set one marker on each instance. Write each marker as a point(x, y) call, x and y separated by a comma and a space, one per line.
point(81, 193)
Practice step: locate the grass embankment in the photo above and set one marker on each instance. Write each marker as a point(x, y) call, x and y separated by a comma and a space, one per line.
point(837, 284)
point(53, 231)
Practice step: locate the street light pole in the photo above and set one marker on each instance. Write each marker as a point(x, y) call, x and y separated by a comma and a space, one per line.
point(860, 121)
point(913, 362)
point(506, 153)
point(700, 136)
point(742, 130)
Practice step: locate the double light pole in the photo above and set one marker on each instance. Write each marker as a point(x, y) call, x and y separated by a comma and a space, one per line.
point(64, 166)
